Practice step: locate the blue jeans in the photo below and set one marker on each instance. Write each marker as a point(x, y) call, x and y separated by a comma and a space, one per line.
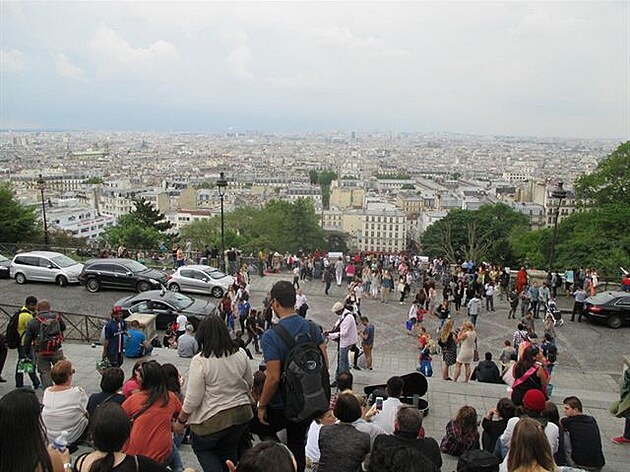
point(344, 362)
point(473, 319)
point(214, 449)
point(19, 377)
point(175, 461)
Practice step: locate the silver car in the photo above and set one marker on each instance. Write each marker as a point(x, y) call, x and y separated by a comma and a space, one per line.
point(45, 266)
point(200, 279)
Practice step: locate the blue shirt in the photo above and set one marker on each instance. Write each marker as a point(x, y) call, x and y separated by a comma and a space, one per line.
point(274, 348)
point(133, 346)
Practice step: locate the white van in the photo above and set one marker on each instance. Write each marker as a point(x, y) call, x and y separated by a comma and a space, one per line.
point(45, 266)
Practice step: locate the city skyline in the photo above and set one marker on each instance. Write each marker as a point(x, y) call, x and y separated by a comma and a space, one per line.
point(551, 69)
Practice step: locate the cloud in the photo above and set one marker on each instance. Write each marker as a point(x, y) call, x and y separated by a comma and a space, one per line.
point(115, 55)
point(336, 37)
point(65, 68)
point(13, 61)
point(239, 58)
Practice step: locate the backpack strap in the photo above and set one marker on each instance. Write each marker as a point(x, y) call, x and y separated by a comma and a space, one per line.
point(284, 334)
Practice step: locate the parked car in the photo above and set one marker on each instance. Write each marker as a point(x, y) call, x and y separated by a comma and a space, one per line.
point(45, 266)
point(200, 279)
point(610, 307)
point(122, 274)
point(167, 306)
point(5, 266)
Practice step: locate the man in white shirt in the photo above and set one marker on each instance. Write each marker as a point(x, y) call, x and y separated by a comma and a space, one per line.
point(181, 321)
point(300, 303)
point(346, 331)
point(387, 416)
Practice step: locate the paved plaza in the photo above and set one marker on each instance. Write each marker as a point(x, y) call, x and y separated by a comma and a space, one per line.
point(589, 366)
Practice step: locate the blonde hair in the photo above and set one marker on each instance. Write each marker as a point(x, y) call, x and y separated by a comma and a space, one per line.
point(468, 326)
point(446, 330)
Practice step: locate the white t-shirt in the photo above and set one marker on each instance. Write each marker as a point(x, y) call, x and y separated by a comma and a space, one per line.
point(65, 410)
point(181, 321)
point(551, 431)
point(312, 442)
point(386, 417)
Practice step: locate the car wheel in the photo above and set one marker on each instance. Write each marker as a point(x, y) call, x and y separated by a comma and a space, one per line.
point(61, 281)
point(174, 288)
point(614, 321)
point(143, 286)
point(20, 278)
point(216, 292)
point(93, 285)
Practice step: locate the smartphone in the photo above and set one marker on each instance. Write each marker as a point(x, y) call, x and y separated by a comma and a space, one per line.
point(379, 403)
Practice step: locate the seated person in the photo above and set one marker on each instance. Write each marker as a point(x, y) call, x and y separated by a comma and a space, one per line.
point(344, 383)
point(64, 405)
point(341, 445)
point(137, 344)
point(387, 416)
point(461, 433)
point(187, 345)
point(487, 371)
point(507, 353)
point(111, 383)
point(494, 424)
point(132, 384)
point(110, 431)
point(406, 435)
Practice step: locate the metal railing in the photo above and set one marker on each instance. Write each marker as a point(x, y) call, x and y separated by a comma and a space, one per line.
point(80, 327)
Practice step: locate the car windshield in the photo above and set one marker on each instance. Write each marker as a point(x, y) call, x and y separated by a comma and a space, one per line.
point(63, 261)
point(600, 298)
point(2, 258)
point(214, 274)
point(134, 266)
point(180, 301)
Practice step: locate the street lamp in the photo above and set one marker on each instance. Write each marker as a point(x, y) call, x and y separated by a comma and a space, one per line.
point(560, 194)
point(41, 186)
point(221, 185)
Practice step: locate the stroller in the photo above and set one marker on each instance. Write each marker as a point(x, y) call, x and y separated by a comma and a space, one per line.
point(554, 312)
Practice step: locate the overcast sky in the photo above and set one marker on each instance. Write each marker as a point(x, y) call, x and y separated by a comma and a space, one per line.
point(486, 67)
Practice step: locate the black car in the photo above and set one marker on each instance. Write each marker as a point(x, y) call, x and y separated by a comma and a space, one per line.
point(610, 307)
point(125, 274)
point(167, 305)
point(5, 264)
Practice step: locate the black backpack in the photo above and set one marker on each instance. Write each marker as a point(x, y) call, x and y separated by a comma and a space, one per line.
point(305, 385)
point(12, 336)
point(478, 460)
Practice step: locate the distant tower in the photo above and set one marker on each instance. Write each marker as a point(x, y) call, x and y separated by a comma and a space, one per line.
point(353, 135)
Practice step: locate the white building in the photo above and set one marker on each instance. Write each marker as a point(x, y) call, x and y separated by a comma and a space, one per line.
point(81, 222)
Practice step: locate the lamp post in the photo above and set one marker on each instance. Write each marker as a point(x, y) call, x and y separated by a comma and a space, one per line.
point(41, 186)
point(560, 194)
point(221, 185)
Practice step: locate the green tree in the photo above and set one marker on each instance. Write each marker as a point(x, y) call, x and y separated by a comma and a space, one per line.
point(149, 216)
point(483, 234)
point(18, 223)
point(610, 182)
point(408, 187)
point(203, 232)
point(133, 233)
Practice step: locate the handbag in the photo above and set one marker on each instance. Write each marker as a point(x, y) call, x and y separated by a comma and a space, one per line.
point(476, 352)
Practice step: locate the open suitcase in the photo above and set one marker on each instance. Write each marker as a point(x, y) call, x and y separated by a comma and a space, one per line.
point(416, 387)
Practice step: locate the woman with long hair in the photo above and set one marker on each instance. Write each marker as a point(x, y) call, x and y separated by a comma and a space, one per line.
point(152, 411)
point(530, 450)
point(23, 436)
point(467, 339)
point(449, 348)
point(461, 433)
point(110, 429)
point(529, 373)
point(216, 405)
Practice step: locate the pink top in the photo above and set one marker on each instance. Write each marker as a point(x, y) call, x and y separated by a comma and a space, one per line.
point(129, 386)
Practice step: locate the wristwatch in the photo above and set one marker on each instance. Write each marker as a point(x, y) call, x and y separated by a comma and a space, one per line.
point(180, 421)
point(259, 406)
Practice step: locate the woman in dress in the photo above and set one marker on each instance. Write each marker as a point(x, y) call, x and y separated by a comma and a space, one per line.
point(449, 348)
point(23, 436)
point(64, 405)
point(466, 339)
point(217, 405)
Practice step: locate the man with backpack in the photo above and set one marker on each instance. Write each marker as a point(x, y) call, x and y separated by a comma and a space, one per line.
point(45, 333)
point(24, 316)
point(294, 392)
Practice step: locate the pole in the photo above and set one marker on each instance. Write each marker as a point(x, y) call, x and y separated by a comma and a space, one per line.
point(554, 237)
point(40, 182)
point(222, 236)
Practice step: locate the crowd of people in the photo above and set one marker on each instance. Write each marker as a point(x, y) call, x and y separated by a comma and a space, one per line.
point(140, 422)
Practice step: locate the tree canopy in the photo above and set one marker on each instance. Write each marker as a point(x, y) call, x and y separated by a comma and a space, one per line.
point(610, 182)
point(475, 234)
point(18, 223)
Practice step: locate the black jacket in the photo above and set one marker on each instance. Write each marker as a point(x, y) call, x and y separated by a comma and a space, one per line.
point(386, 444)
point(585, 441)
point(488, 372)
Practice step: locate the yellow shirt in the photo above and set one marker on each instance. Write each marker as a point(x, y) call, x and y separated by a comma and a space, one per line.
point(23, 320)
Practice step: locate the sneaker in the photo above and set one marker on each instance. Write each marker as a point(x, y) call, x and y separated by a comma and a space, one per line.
point(620, 440)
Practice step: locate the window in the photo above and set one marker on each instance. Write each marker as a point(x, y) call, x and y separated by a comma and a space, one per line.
point(27, 260)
